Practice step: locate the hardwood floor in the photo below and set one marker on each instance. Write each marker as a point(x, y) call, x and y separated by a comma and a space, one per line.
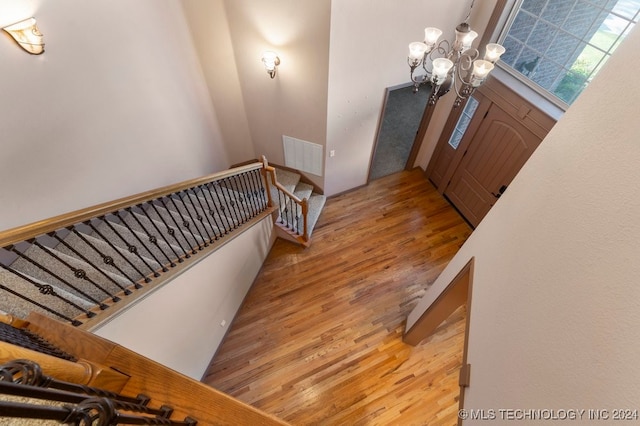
point(318, 339)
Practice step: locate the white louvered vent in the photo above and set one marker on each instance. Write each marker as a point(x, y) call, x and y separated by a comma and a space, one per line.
point(302, 155)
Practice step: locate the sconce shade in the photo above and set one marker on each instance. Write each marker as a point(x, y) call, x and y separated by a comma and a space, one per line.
point(27, 35)
point(270, 60)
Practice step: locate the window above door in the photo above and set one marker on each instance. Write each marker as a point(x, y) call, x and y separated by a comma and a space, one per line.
point(558, 46)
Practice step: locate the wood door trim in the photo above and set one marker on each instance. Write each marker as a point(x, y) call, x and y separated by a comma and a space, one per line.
point(476, 121)
point(451, 298)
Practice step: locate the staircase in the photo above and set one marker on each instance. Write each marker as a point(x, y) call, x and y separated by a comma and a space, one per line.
point(291, 181)
point(75, 266)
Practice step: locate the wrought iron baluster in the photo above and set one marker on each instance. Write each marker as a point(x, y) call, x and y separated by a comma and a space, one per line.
point(226, 221)
point(57, 277)
point(152, 238)
point(193, 195)
point(184, 223)
point(135, 234)
point(227, 209)
point(233, 202)
point(78, 273)
point(249, 201)
point(115, 249)
point(108, 260)
point(259, 191)
point(193, 219)
point(90, 263)
point(47, 290)
point(133, 249)
point(40, 305)
point(170, 230)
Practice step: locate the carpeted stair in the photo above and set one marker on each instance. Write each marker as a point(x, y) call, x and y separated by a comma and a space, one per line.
point(291, 181)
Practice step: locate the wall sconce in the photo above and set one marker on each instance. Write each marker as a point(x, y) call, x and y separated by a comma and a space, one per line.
point(27, 35)
point(271, 61)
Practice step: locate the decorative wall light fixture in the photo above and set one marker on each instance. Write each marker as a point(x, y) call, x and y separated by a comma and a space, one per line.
point(271, 61)
point(458, 65)
point(27, 35)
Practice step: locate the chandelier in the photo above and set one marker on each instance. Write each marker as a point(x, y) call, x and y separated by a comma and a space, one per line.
point(449, 65)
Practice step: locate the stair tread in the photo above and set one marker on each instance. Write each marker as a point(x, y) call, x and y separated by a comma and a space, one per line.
point(303, 190)
point(287, 179)
point(21, 308)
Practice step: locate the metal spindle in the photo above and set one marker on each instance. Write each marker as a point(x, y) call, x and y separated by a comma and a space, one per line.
point(234, 204)
point(185, 223)
point(47, 290)
point(90, 263)
point(115, 249)
point(172, 231)
point(135, 234)
point(108, 260)
point(227, 221)
point(202, 209)
point(57, 277)
point(225, 207)
point(259, 189)
point(249, 201)
point(133, 249)
point(40, 305)
point(223, 218)
point(78, 273)
point(195, 220)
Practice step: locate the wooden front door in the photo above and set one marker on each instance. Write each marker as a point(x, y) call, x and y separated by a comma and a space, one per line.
point(494, 156)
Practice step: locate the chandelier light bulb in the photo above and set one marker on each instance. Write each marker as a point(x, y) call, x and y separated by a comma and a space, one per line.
point(493, 52)
point(416, 52)
point(441, 67)
point(431, 36)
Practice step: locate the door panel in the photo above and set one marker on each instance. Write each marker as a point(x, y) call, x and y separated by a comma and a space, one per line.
point(495, 155)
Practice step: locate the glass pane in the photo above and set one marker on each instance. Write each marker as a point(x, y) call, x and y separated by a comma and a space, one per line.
point(522, 26)
point(527, 62)
point(561, 44)
point(563, 48)
point(533, 6)
point(546, 73)
point(571, 85)
point(541, 36)
point(463, 122)
point(558, 11)
point(626, 8)
point(588, 60)
point(513, 49)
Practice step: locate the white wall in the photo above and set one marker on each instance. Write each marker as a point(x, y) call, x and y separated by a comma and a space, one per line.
point(554, 320)
point(179, 325)
point(116, 105)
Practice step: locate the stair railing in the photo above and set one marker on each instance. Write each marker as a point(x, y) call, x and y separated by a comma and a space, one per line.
point(76, 265)
point(111, 384)
point(292, 212)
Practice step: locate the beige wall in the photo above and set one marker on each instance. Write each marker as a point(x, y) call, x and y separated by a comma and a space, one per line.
point(555, 320)
point(116, 105)
point(180, 324)
point(210, 29)
point(369, 47)
point(295, 102)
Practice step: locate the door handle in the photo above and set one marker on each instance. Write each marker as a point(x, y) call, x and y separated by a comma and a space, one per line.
point(500, 191)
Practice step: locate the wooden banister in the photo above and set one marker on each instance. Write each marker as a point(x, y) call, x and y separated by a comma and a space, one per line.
point(304, 203)
point(164, 386)
point(21, 233)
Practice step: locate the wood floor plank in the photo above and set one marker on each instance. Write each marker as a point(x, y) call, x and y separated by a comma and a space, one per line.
point(318, 339)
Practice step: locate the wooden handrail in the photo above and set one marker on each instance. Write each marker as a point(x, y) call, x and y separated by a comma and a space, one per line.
point(24, 232)
point(304, 203)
